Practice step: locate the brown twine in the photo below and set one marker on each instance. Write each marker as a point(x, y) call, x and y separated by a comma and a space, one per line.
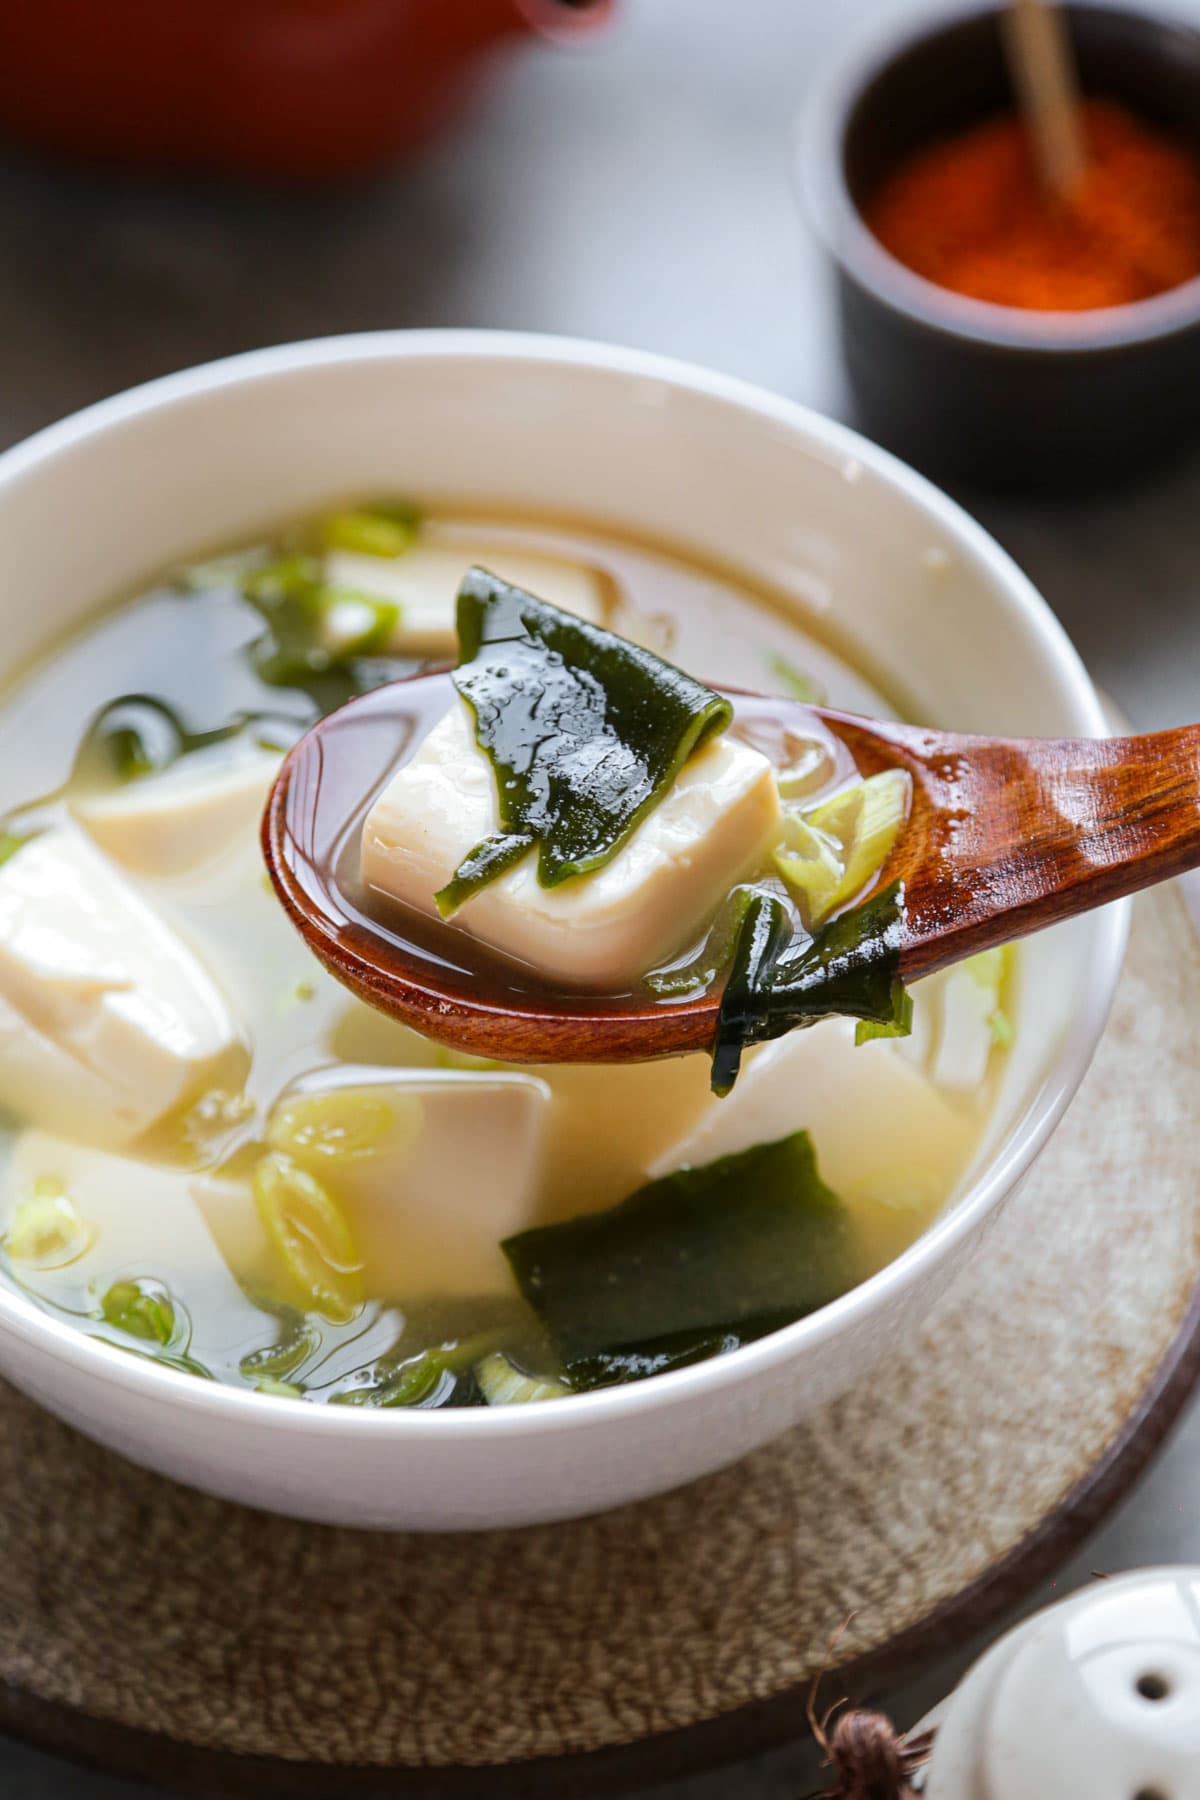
point(869, 1758)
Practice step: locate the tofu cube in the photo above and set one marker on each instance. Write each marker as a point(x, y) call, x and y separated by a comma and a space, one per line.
point(601, 931)
point(139, 1219)
point(228, 1212)
point(108, 1021)
point(171, 824)
point(882, 1132)
point(424, 584)
point(438, 1167)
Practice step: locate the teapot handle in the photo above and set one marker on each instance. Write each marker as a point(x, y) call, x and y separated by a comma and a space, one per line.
point(565, 21)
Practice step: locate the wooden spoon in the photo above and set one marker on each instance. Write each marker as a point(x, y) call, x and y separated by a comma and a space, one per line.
point(1006, 835)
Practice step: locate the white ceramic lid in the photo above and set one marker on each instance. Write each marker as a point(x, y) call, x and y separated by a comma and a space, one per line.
point(1099, 1697)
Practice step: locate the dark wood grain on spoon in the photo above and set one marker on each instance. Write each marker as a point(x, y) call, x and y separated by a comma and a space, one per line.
point(1006, 836)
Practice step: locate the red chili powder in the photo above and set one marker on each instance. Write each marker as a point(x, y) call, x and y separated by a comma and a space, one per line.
point(971, 214)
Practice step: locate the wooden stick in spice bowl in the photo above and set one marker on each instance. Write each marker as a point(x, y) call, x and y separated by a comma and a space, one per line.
point(1043, 66)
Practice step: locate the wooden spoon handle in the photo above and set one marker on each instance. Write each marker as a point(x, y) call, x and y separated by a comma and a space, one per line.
point(1009, 836)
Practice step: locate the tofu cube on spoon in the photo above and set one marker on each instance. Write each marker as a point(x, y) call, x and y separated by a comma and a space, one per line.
point(601, 931)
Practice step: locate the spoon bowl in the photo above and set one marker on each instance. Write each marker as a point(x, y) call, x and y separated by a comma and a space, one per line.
point(1005, 836)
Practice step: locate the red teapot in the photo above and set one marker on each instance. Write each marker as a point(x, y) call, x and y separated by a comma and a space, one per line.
point(296, 89)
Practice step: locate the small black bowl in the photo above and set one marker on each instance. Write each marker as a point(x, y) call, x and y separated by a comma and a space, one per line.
point(997, 395)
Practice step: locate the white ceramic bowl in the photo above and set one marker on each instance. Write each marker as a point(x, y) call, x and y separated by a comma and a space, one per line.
point(95, 503)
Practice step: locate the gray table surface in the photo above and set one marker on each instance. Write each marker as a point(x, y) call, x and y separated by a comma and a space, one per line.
point(640, 192)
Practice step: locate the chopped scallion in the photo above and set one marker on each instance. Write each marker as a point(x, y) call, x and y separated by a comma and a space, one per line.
point(830, 854)
point(311, 1237)
point(370, 531)
point(297, 1341)
point(141, 1307)
point(810, 861)
point(811, 767)
point(502, 1383)
point(795, 683)
point(342, 1124)
point(12, 841)
point(45, 1230)
point(973, 1021)
point(423, 1381)
point(140, 735)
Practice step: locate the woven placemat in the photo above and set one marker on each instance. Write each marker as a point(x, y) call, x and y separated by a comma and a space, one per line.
point(163, 1632)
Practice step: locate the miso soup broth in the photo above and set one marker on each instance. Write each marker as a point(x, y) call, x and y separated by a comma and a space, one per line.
point(212, 1155)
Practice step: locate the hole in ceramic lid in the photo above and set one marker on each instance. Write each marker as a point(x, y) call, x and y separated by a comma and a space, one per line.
point(1153, 1687)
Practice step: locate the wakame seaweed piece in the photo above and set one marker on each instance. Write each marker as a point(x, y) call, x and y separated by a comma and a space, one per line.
point(851, 968)
point(658, 1356)
point(764, 932)
point(319, 636)
point(703, 1250)
point(584, 730)
point(484, 863)
point(697, 974)
point(899, 1026)
point(777, 984)
point(139, 735)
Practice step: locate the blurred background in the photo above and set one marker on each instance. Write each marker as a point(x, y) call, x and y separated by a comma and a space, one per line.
point(633, 182)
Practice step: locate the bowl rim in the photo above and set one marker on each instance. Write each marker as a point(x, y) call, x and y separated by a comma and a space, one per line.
point(831, 211)
point(820, 436)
